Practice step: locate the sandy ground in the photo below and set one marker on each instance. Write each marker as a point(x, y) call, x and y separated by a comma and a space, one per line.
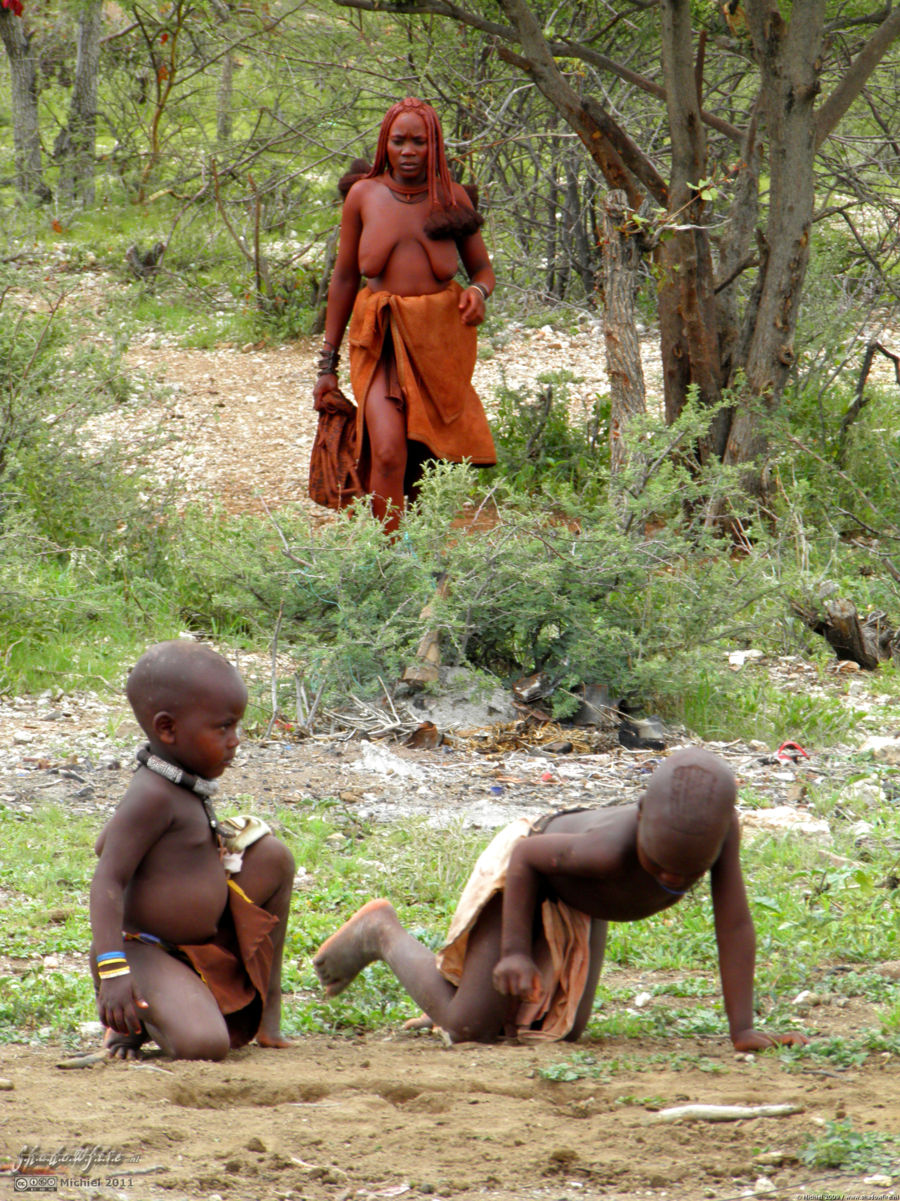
point(398, 1115)
point(390, 1116)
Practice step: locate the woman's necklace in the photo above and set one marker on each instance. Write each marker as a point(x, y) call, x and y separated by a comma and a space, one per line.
point(413, 195)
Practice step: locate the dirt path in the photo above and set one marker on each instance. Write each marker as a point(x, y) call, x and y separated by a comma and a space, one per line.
point(241, 419)
point(404, 1116)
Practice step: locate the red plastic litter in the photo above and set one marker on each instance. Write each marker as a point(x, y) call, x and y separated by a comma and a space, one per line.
point(791, 752)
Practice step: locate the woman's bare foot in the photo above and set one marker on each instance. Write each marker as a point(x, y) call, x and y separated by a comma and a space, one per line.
point(358, 942)
point(123, 1046)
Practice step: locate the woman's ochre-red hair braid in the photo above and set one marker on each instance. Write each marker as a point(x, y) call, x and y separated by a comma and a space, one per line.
point(440, 189)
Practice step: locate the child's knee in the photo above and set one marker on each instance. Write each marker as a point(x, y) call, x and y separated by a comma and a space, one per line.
point(206, 1044)
point(283, 859)
point(277, 861)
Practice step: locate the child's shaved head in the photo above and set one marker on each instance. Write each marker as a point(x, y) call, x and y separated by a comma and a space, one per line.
point(687, 809)
point(172, 674)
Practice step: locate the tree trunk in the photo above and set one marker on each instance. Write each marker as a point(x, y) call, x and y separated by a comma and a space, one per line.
point(867, 643)
point(623, 353)
point(223, 104)
point(687, 305)
point(26, 131)
point(790, 58)
point(76, 177)
point(578, 231)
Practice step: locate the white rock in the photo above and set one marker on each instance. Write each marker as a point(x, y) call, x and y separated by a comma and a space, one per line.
point(867, 794)
point(785, 818)
point(882, 749)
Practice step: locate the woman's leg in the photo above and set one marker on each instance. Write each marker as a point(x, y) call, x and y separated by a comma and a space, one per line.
point(386, 432)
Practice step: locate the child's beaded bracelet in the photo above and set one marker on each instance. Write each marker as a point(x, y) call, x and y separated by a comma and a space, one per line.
point(111, 964)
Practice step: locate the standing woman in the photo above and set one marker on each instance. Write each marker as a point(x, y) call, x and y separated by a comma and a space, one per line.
point(412, 338)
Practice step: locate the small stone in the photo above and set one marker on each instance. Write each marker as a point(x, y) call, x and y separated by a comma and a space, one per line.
point(883, 750)
point(6, 1086)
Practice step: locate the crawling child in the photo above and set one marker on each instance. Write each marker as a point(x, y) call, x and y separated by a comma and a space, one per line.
point(188, 929)
point(525, 947)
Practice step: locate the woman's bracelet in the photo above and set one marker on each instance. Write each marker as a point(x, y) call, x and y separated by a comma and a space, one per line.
point(483, 290)
point(328, 360)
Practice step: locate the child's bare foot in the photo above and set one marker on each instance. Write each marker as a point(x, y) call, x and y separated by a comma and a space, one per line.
point(422, 1022)
point(358, 942)
point(123, 1046)
point(269, 1035)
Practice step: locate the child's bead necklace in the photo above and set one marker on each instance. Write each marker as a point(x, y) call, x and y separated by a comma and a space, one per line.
point(204, 789)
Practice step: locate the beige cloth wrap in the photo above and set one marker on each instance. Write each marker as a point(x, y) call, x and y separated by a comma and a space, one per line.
point(562, 952)
point(431, 368)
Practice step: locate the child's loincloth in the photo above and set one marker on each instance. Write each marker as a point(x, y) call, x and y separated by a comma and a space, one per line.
point(236, 965)
point(561, 951)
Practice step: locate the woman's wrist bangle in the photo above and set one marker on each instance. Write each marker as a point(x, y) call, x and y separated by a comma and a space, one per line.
point(483, 290)
point(328, 361)
point(111, 972)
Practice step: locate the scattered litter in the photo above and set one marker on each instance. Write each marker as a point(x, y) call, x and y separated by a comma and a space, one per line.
point(383, 762)
point(791, 752)
point(737, 659)
point(532, 688)
point(425, 737)
point(642, 733)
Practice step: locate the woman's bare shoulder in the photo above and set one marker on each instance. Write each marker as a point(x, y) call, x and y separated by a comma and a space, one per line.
point(363, 188)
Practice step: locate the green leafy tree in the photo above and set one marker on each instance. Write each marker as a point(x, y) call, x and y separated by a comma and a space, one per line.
point(748, 108)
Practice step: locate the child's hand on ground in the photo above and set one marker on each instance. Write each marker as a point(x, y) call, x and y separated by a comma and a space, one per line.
point(517, 976)
point(755, 1040)
point(118, 1004)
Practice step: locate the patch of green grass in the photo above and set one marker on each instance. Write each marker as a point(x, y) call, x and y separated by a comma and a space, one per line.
point(840, 1146)
point(579, 1065)
point(750, 705)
